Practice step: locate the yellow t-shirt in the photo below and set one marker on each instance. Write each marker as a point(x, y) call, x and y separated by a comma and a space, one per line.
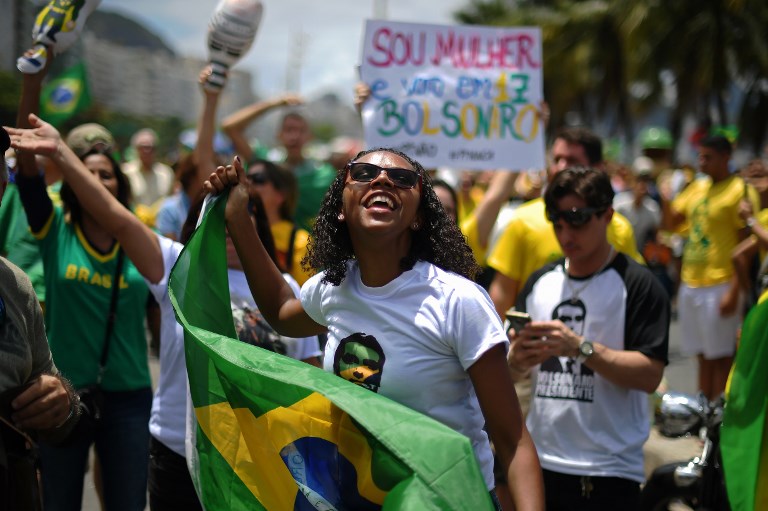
point(468, 203)
point(281, 232)
point(762, 218)
point(712, 214)
point(469, 230)
point(529, 242)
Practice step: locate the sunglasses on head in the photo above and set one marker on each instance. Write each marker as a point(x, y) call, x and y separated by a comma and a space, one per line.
point(257, 178)
point(367, 172)
point(575, 217)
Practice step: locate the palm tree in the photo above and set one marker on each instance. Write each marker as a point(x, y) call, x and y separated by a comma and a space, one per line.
point(707, 46)
point(584, 56)
point(596, 52)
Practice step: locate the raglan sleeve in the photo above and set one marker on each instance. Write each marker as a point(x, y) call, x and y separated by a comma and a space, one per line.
point(648, 315)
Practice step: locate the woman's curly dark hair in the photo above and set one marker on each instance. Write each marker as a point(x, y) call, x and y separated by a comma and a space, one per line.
point(438, 241)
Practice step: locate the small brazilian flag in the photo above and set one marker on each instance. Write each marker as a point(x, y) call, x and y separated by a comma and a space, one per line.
point(65, 95)
point(278, 434)
point(744, 433)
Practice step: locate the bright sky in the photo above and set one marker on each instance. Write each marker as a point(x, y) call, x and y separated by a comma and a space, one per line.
point(332, 31)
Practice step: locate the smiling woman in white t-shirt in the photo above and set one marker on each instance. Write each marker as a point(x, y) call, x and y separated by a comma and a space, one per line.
point(395, 298)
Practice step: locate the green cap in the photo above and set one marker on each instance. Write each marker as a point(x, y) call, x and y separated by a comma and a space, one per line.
point(656, 138)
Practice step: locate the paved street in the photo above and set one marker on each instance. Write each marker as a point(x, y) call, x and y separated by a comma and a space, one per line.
point(680, 375)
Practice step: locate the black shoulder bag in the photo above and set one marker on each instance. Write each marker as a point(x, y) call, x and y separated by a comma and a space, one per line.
point(92, 396)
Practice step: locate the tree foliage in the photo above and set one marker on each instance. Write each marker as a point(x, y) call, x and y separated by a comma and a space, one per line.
point(608, 60)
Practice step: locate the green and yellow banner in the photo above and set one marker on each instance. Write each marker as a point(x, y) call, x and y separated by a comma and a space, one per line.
point(744, 433)
point(274, 433)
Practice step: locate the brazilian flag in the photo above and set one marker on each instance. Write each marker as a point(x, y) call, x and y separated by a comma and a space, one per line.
point(744, 433)
point(277, 434)
point(65, 95)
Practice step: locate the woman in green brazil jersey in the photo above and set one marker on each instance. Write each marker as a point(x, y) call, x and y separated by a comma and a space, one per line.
point(169, 484)
point(83, 263)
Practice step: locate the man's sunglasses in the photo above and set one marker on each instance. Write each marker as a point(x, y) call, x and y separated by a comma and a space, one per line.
point(257, 178)
point(367, 172)
point(575, 217)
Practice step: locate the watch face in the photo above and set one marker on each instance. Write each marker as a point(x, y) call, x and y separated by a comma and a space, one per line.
point(586, 348)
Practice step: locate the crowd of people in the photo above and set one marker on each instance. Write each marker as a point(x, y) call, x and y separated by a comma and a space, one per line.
point(404, 273)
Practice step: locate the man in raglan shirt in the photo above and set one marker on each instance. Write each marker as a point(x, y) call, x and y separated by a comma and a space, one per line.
point(596, 346)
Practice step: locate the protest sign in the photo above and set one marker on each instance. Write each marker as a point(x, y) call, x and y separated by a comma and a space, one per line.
point(460, 96)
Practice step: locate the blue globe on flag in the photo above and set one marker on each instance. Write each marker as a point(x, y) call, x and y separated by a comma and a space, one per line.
point(65, 96)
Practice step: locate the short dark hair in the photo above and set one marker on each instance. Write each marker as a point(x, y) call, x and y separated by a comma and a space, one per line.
point(586, 138)
point(296, 116)
point(717, 143)
point(592, 185)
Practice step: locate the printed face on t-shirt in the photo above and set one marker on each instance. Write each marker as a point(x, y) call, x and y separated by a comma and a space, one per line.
point(360, 359)
point(565, 377)
point(572, 314)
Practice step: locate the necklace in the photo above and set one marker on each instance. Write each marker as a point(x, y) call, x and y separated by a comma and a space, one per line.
point(576, 291)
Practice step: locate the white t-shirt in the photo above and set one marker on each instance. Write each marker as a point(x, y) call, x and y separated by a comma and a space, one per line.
point(253, 328)
point(412, 341)
point(645, 219)
point(169, 406)
point(580, 422)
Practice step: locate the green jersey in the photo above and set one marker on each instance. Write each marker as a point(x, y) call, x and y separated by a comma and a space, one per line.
point(313, 180)
point(78, 281)
point(16, 243)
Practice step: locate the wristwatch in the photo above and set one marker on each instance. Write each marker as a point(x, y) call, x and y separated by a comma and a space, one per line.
point(586, 349)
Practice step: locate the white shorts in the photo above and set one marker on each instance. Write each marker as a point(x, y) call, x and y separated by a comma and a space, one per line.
point(702, 330)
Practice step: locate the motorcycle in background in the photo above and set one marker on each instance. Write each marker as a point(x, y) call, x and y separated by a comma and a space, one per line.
point(698, 483)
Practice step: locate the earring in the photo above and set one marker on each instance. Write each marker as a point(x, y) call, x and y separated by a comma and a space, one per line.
point(340, 217)
point(415, 226)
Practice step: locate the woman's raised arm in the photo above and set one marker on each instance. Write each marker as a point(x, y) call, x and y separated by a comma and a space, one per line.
point(274, 297)
point(139, 242)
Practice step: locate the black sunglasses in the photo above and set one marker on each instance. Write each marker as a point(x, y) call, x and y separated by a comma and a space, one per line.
point(575, 217)
point(257, 178)
point(367, 172)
